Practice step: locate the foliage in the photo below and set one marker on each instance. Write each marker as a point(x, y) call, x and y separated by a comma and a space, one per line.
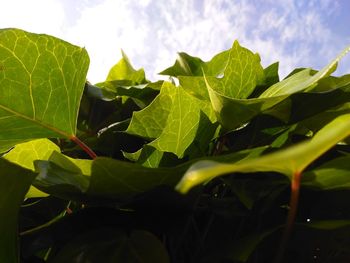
point(204, 171)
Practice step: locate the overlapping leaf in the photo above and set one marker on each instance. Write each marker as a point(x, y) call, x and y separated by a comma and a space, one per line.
point(288, 162)
point(173, 120)
point(24, 155)
point(233, 112)
point(41, 84)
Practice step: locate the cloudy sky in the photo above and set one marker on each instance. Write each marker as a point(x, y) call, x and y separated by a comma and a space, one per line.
point(298, 33)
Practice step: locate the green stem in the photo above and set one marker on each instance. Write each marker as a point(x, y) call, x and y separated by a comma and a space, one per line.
point(293, 208)
point(83, 146)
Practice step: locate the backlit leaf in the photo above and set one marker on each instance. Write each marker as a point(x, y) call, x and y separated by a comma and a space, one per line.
point(41, 86)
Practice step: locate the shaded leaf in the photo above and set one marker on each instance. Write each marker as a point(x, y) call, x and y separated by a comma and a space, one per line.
point(15, 182)
point(288, 161)
point(113, 245)
point(331, 175)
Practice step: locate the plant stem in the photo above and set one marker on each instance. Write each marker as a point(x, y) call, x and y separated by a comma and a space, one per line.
point(83, 146)
point(293, 207)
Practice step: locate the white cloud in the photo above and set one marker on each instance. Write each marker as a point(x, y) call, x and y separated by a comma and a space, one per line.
point(296, 33)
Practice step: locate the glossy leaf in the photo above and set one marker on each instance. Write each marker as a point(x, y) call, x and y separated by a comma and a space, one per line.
point(289, 161)
point(41, 85)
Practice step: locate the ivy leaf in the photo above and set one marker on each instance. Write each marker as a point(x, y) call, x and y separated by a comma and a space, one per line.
point(24, 155)
point(15, 182)
point(124, 71)
point(184, 121)
point(41, 85)
point(329, 176)
point(103, 177)
point(185, 65)
point(173, 120)
point(288, 161)
point(303, 79)
point(242, 73)
point(149, 122)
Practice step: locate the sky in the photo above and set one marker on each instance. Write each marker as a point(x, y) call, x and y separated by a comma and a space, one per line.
point(298, 33)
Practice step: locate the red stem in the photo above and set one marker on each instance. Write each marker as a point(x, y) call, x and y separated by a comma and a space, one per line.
point(83, 146)
point(293, 207)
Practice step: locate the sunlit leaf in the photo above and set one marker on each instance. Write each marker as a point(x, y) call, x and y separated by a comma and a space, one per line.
point(41, 86)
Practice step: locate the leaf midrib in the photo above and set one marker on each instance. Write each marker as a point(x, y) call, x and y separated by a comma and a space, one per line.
point(37, 122)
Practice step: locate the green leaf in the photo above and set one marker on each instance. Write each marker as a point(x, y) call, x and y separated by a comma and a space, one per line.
point(233, 113)
point(329, 176)
point(149, 122)
point(243, 248)
point(185, 65)
point(124, 71)
point(217, 65)
point(111, 245)
point(24, 155)
point(182, 125)
point(41, 85)
point(173, 120)
point(326, 224)
point(15, 182)
point(271, 74)
point(303, 79)
point(110, 90)
point(242, 73)
point(77, 179)
point(103, 177)
point(288, 161)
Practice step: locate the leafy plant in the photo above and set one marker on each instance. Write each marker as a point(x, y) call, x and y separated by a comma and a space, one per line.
point(209, 170)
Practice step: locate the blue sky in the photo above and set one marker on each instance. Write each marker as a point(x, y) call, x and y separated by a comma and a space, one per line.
point(298, 33)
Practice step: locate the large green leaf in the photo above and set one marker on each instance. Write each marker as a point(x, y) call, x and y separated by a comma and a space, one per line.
point(104, 177)
point(15, 182)
point(288, 162)
point(41, 84)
